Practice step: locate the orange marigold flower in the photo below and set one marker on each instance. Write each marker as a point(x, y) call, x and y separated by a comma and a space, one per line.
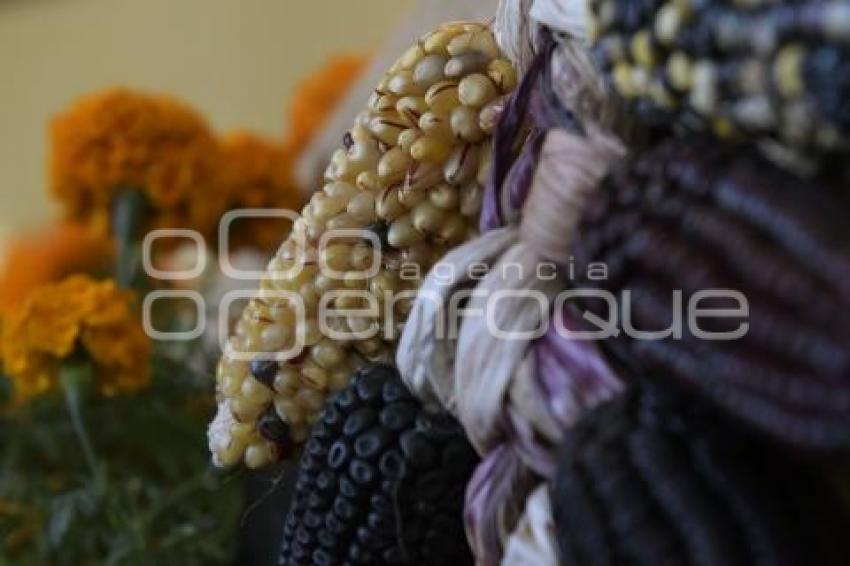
point(318, 94)
point(257, 173)
point(49, 255)
point(124, 139)
point(57, 319)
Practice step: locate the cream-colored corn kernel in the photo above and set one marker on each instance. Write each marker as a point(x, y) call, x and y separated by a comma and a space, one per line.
point(411, 174)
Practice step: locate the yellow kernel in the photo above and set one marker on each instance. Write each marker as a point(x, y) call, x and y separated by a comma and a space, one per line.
point(444, 196)
point(443, 97)
point(423, 175)
point(623, 80)
point(362, 207)
point(411, 108)
point(429, 70)
point(327, 354)
point(363, 155)
point(339, 168)
point(465, 63)
point(489, 115)
point(680, 71)
point(339, 378)
point(229, 455)
point(259, 455)
point(336, 256)
point(362, 258)
point(360, 324)
point(387, 204)
point(230, 384)
point(438, 41)
point(403, 233)
point(481, 41)
point(471, 198)
point(410, 197)
point(255, 392)
point(384, 282)
point(409, 58)
point(667, 23)
point(274, 337)
point(436, 126)
point(465, 124)
point(476, 90)
point(427, 218)
point(309, 332)
point(723, 128)
point(288, 410)
point(430, 149)
point(503, 75)
point(407, 137)
point(386, 128)
point(453, 230)
point(286, 381)
point(703, 96)
point(402, 84)
point(368, 181)
point(309, 299)
point(641, 48)
point(347, 302)
point(343, 191)
point(310, 400)
point(359, 132)
point(382, 102)
point(324, 207)
point(462, 165)
point(788, 70)
point(342, 222)
point(393, 165)
point(244, 410)
point(242, 433)
point(323, 284)
point(313, 376)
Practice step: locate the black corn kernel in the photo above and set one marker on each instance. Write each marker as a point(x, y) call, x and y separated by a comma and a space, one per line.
point(392, 481)
point(774, 71)
point(272, 428)
point(265, 371)
point(724, 217)
point(653, 477)
point(382, 230)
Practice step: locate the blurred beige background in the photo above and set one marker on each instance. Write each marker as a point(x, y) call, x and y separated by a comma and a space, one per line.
point(234, 60)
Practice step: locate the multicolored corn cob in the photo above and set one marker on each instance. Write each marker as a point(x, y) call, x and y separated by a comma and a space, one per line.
point(381, 481)
point(757, 69)
point(408, 183)
point(695, 217)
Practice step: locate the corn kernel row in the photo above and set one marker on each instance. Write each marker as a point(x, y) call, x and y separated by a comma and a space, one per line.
point(754, 69)
point(410, 174)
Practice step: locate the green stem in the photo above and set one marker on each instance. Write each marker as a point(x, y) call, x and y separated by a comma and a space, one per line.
point(5, 389)
point(71, 377)
point(128, 211)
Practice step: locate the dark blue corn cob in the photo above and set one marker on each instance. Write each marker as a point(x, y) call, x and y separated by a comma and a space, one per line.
point(693, 215)
point(652, 478)
point(381, 481)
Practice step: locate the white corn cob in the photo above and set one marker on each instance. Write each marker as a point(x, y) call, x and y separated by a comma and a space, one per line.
point(410, 173)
